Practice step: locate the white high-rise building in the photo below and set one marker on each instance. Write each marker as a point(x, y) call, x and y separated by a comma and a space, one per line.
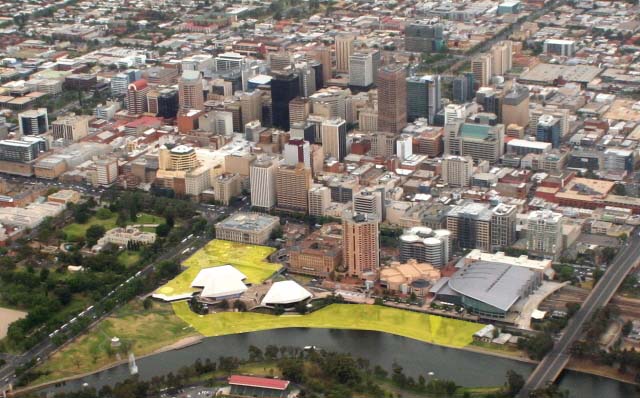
point(453, 112)
point(334, 138)
point(370, 202)
point(297, 151)
point(361, 69)
point(262, 179)
point(544, 233)
point(319, 200)
point(106, 171)
point(457, 170)
point(229, 61)
point(404, 146)
point(223, 123)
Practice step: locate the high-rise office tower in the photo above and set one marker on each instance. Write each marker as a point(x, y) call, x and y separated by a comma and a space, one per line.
point(480, 141)
point(284, 88)
point(262, 179)
point(424, 38)
point(481, 69)
point(307, 79)
point(299, 109)
point(360, 70)
point(334, 138)
point(549, 130)
point(344, 49)
point(297, 151)
point(503, 226)
point(360, 246)
point(319, 200)
point(463, 90)
point(322, 54)
point(23, 150)
point(251, 106)
point(280, 62)
point(470, 226)
point(363, 68)
point(370, 202)
point(501, 57)
point(292, 188)
point(168, 103)
point(544, 233)
point(191, 91)
point(423, 97)
point(515, 106)
point(34, 121)
point(457, 170)
point(319, 74)
point(392, 98)
point(137, 97)
point(70, 128)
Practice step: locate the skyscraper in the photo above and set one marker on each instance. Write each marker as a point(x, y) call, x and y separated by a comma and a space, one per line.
point(392, 99)
point(262, 179)
point(457, 170)
point(292, 188)
point(501, 58)
point(422, 37)
point(191, 91)
point(297, 151)
point(481, 69)
point(360, 246)
point(251, 107)
point(323, 55)
point(544, 233)
point(549, 130)
point(284, 88)
point(360, 70)
point(34, 121)
point(137, 97)
point(423, 97)
point(503, 226)
point(344, 49)
point(515, 106)
point(334, 138)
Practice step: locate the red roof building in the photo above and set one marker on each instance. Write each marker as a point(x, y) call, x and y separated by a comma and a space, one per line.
point(251, 386)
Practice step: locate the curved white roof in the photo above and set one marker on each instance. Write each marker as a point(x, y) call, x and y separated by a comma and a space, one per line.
point(222, 281)
point(285, 292)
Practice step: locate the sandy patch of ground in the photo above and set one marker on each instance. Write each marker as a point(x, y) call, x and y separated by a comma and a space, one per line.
point(7, 317)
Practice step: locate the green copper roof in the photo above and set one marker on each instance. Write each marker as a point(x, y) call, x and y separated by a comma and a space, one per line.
point(479, 131)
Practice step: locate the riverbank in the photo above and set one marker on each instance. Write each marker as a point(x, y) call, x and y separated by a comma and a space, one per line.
point(151, 332)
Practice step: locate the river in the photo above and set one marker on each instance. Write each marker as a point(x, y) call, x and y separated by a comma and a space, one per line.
point(465, 367)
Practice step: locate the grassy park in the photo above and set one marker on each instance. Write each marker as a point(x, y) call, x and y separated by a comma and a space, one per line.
point(143, 331)
point(251, 260)
point(76, 231)
point(428, 328)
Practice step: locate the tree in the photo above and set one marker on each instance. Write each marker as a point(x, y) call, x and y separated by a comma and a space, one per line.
point(103, 214)
point(255, 353)
point(515, 382)
point(271, 352)
point(94, 233)
point(163, 230)
point(627, 328)
point(147, 303)
point(292, 369)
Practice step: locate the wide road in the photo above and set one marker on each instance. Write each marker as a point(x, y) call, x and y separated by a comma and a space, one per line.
point(552, 365)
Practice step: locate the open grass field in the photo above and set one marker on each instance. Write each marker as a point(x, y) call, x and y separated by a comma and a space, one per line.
point(251, 260)
point(128, 258)
point(75, 231)
point(428, 328)
point(7, 317)
point(145, 332)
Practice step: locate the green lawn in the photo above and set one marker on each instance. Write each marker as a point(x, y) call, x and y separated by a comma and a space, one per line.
point(251, 260)
point(75, 231)
point(428, 328)
point(145, 331)
point(128, 258)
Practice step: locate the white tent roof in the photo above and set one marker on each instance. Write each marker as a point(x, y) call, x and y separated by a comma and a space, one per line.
point(285, 292)
point(221, 281)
